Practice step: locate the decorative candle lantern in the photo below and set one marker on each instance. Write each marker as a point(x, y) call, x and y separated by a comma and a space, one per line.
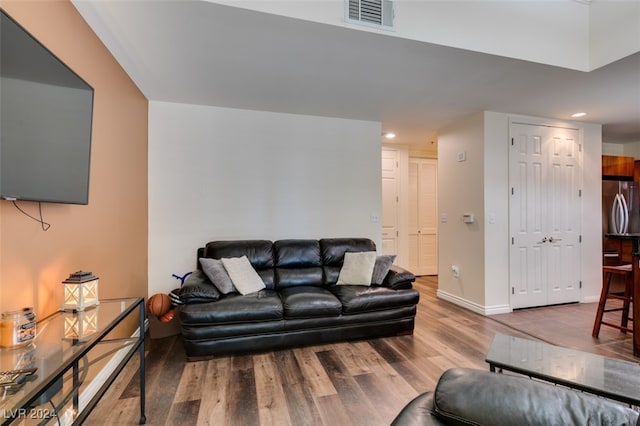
point(80, 291)
point(80, 325)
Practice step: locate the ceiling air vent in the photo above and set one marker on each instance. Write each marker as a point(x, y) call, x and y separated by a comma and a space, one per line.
point(375, 13)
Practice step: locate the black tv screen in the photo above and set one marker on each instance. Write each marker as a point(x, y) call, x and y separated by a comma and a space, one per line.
point(46, 113)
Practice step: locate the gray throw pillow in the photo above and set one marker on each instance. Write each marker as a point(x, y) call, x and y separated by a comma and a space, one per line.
point(245, 279)
point(217, 274)
point(381, 268)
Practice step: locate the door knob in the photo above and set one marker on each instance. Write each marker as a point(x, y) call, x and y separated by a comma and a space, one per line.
point(553, 240)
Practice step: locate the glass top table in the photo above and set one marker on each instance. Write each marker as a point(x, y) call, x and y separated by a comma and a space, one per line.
point(607, 377)
point(69, 351)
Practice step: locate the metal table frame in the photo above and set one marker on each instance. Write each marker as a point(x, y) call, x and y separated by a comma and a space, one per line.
point(32, 392)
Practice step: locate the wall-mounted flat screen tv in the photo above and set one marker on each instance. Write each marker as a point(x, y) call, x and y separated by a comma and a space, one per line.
point(46, 113)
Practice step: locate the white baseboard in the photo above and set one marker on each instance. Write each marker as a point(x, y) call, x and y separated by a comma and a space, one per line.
point(472, 306)
point(491, 310)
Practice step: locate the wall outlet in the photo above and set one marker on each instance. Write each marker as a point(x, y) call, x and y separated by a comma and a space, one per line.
point(455, 270)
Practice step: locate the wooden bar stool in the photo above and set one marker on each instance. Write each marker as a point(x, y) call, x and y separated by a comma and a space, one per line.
point(608, 292)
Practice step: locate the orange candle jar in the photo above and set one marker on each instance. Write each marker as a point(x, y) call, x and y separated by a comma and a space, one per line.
point(18, 327)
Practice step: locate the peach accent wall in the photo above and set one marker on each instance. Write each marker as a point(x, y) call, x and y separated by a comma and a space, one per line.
point(109, 235)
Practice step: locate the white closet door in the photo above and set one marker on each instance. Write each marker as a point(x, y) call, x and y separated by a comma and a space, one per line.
point(545, 215)
point(423, 210)
point(390, 201)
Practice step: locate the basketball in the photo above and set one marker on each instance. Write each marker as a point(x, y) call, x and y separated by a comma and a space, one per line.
point(159, 304)
point(166, 317)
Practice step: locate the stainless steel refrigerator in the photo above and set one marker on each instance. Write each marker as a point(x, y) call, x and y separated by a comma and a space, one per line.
point(620, 207)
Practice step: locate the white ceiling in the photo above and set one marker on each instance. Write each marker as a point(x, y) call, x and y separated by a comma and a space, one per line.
point(199, 52)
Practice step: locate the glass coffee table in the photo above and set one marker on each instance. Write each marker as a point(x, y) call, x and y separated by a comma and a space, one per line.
point(607, 377)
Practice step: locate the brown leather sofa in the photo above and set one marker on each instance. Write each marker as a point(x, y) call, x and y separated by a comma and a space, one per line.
point(475, 397)
point(300, 304)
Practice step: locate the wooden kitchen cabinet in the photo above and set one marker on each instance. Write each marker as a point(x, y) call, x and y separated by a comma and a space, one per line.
point(636, 171)
point(618, 166)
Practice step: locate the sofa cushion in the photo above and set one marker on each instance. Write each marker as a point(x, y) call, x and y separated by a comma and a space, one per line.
point(291, 277)
point(245, 279)
point(264, 305)
point(298, 262)
point(357, 268)
point(297, 253)
point(308, 302)
point(217, 274)
point(259, 253)
point(333, 250)
point(356, 298)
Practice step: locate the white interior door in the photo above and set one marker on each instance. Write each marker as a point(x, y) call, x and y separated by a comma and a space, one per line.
point(389, 201)
point(423, 211)
point(564, 216)
point(414, 217)
point(545, 216)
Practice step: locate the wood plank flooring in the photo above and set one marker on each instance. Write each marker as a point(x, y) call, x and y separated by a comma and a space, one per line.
point(349, 383)
point(570, 326)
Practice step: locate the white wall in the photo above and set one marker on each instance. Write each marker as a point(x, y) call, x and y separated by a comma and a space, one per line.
point(496, 187)
point(615, 30)
point(629, 149)
point(554, 32)
point(220, 173)
point(613, 149)
point(566, 33)
point(460, 191)
point(591, 212)
point(480, 185)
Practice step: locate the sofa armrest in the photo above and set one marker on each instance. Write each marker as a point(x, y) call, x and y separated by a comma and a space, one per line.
point(398, 278)
point(198, 288)
point(479, 397)
point(418, 412)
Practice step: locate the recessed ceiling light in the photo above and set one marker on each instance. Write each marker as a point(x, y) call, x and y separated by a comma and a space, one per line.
point(579, 114)
point(389, 135)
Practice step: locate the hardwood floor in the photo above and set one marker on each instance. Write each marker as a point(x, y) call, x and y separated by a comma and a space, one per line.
point(570, 326)
point(350, 383)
